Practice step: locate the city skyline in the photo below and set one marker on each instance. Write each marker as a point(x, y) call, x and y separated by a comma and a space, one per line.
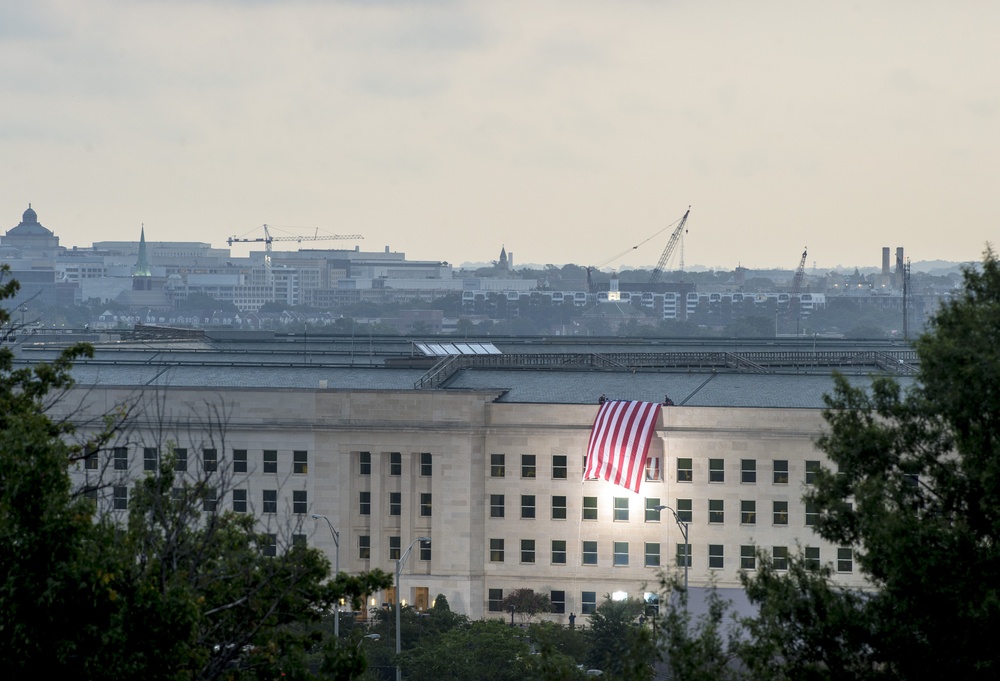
point(566, 132)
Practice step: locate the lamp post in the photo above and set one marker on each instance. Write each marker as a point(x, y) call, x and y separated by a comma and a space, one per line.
point(336, 571)
point(399, 568)
point(687, 546)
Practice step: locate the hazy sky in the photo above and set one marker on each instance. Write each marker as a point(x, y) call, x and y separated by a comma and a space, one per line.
point(567, 131)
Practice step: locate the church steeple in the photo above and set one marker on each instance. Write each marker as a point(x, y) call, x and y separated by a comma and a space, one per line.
point(142, 265)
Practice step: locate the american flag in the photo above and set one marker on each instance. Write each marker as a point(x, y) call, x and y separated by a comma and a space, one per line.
point(619, 441)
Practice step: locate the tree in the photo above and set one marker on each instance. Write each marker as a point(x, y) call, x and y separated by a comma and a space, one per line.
point(619, 645)
point(526, 604)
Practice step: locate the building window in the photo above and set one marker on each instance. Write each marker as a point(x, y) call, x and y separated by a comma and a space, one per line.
point(424, 550)
point(299, 501)
point(588, 602)
point(300, 462)
point(812, 468)
point(495, 600)
point(716, 511)
point(150, 459)
point(779, 556)
point(270, 547)
point(395, 503)
point(210, 460)
point(653, 468)
point(181, 460)
point(395, 463)
point(559, 508)
point(239, 461)
point(683, 558)
point(394, 548)
point(364, 463)
point(592, 476)
point(425, 504)
point(270, 460)
point(527, 465)
point(748, 558)
point(780, 512)
point(621, 509)
point(748, 470)
point(716, 470)
point(496, 506)
point(558, 551)
point(748, 512)
point(299, 540)
point(90, 459)
point(845, 560)
point(527, 550)
point(558, 601)
point(209, 500)
point(497, 465)
point(716, 560)
point(590, 508)
point(270, 497)
point(559, 467)
point(120, 497)
point(240, 500)
point(684, 510)
point(812, 514)
point(781, 472)
point(812, 557)
point(590, 553)
point(496, 550)
point(120, 455)
point(365, 547)
point(652, 554)
point(685, 472)
point(426, 467)
point(620, 550)
point(652, 515)
point(365, 503)
point(527, 505)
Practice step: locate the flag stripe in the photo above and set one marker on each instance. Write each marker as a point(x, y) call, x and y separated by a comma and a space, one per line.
point(619, 442)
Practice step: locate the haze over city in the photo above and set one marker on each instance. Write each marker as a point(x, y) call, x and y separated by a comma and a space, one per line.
point(565, 131)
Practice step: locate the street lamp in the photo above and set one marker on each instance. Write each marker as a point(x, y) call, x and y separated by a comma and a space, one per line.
point(371, 637)
point(336, 573)
point(687, 546)
point(399, 568)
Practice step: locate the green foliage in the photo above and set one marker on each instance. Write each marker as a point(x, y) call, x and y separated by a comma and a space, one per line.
point(487, 650)
point(526, 603)
point(619, 645)
point(696, 650)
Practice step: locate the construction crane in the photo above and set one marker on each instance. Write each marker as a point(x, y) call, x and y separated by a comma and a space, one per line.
point(654, 277)
point(800, 273)
point(267, 240)
point(794, 298)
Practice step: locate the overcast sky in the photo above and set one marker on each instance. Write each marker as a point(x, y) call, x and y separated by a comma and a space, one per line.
point(566, 131)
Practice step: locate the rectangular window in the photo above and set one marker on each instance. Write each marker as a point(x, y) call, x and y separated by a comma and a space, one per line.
point(239, 461)
point(559, 467)
point(120, 455)
point(748, 512)
point(716, 470)
point(395, 463)
point(652, 554)
point(684, 510)
point(812, 468)
point(395, 503)
point(588, 602)
point(683, 557)
point(180, 460)
point(364, 547)
point(270, 547)
point(716, 556)
point(558, 601)
point(240, 500)
point(590, 553)
point(300, 462)
point(497, 465)
point(559, 508)
point(845, 560)
point(394, 548)
point(685, 472)
point(781, 472)
point(209, 499)
point(812, 557)
point(527, 505)
point(780, 512)
point(527, 465)
point(425, 504)
point(299, 540)
point(590, 508)
point(779, 556)
point(496, 550)
point(300, 501)
point(558, 551)
point(210, 460)
point(621, 509)
point(653, 468)
point(748, 558)
point(527, 550)
point(812, 514)
point(424, 550)
point(716, 511)
point(270, 460)
point(652, 515)
point(364, 463)
point(496, 506)
point(150, 459)
point(748, 470)
point(365, 503)
point(90, 458)
point(620, 553)
point(120, 497)
point(426, 465)
point(495, 600)
point(270, 497)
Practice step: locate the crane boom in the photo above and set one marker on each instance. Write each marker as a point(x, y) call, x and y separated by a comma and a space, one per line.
point(800, 273)
point(669, 250)
point(267, 239)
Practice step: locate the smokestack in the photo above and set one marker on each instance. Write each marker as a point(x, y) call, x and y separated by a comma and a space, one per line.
point(885, 261)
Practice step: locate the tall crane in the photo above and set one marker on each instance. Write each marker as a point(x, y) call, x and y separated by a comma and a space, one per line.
point(654, 277)
point(267, 240)
point(794, 297)
point(800, 273)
